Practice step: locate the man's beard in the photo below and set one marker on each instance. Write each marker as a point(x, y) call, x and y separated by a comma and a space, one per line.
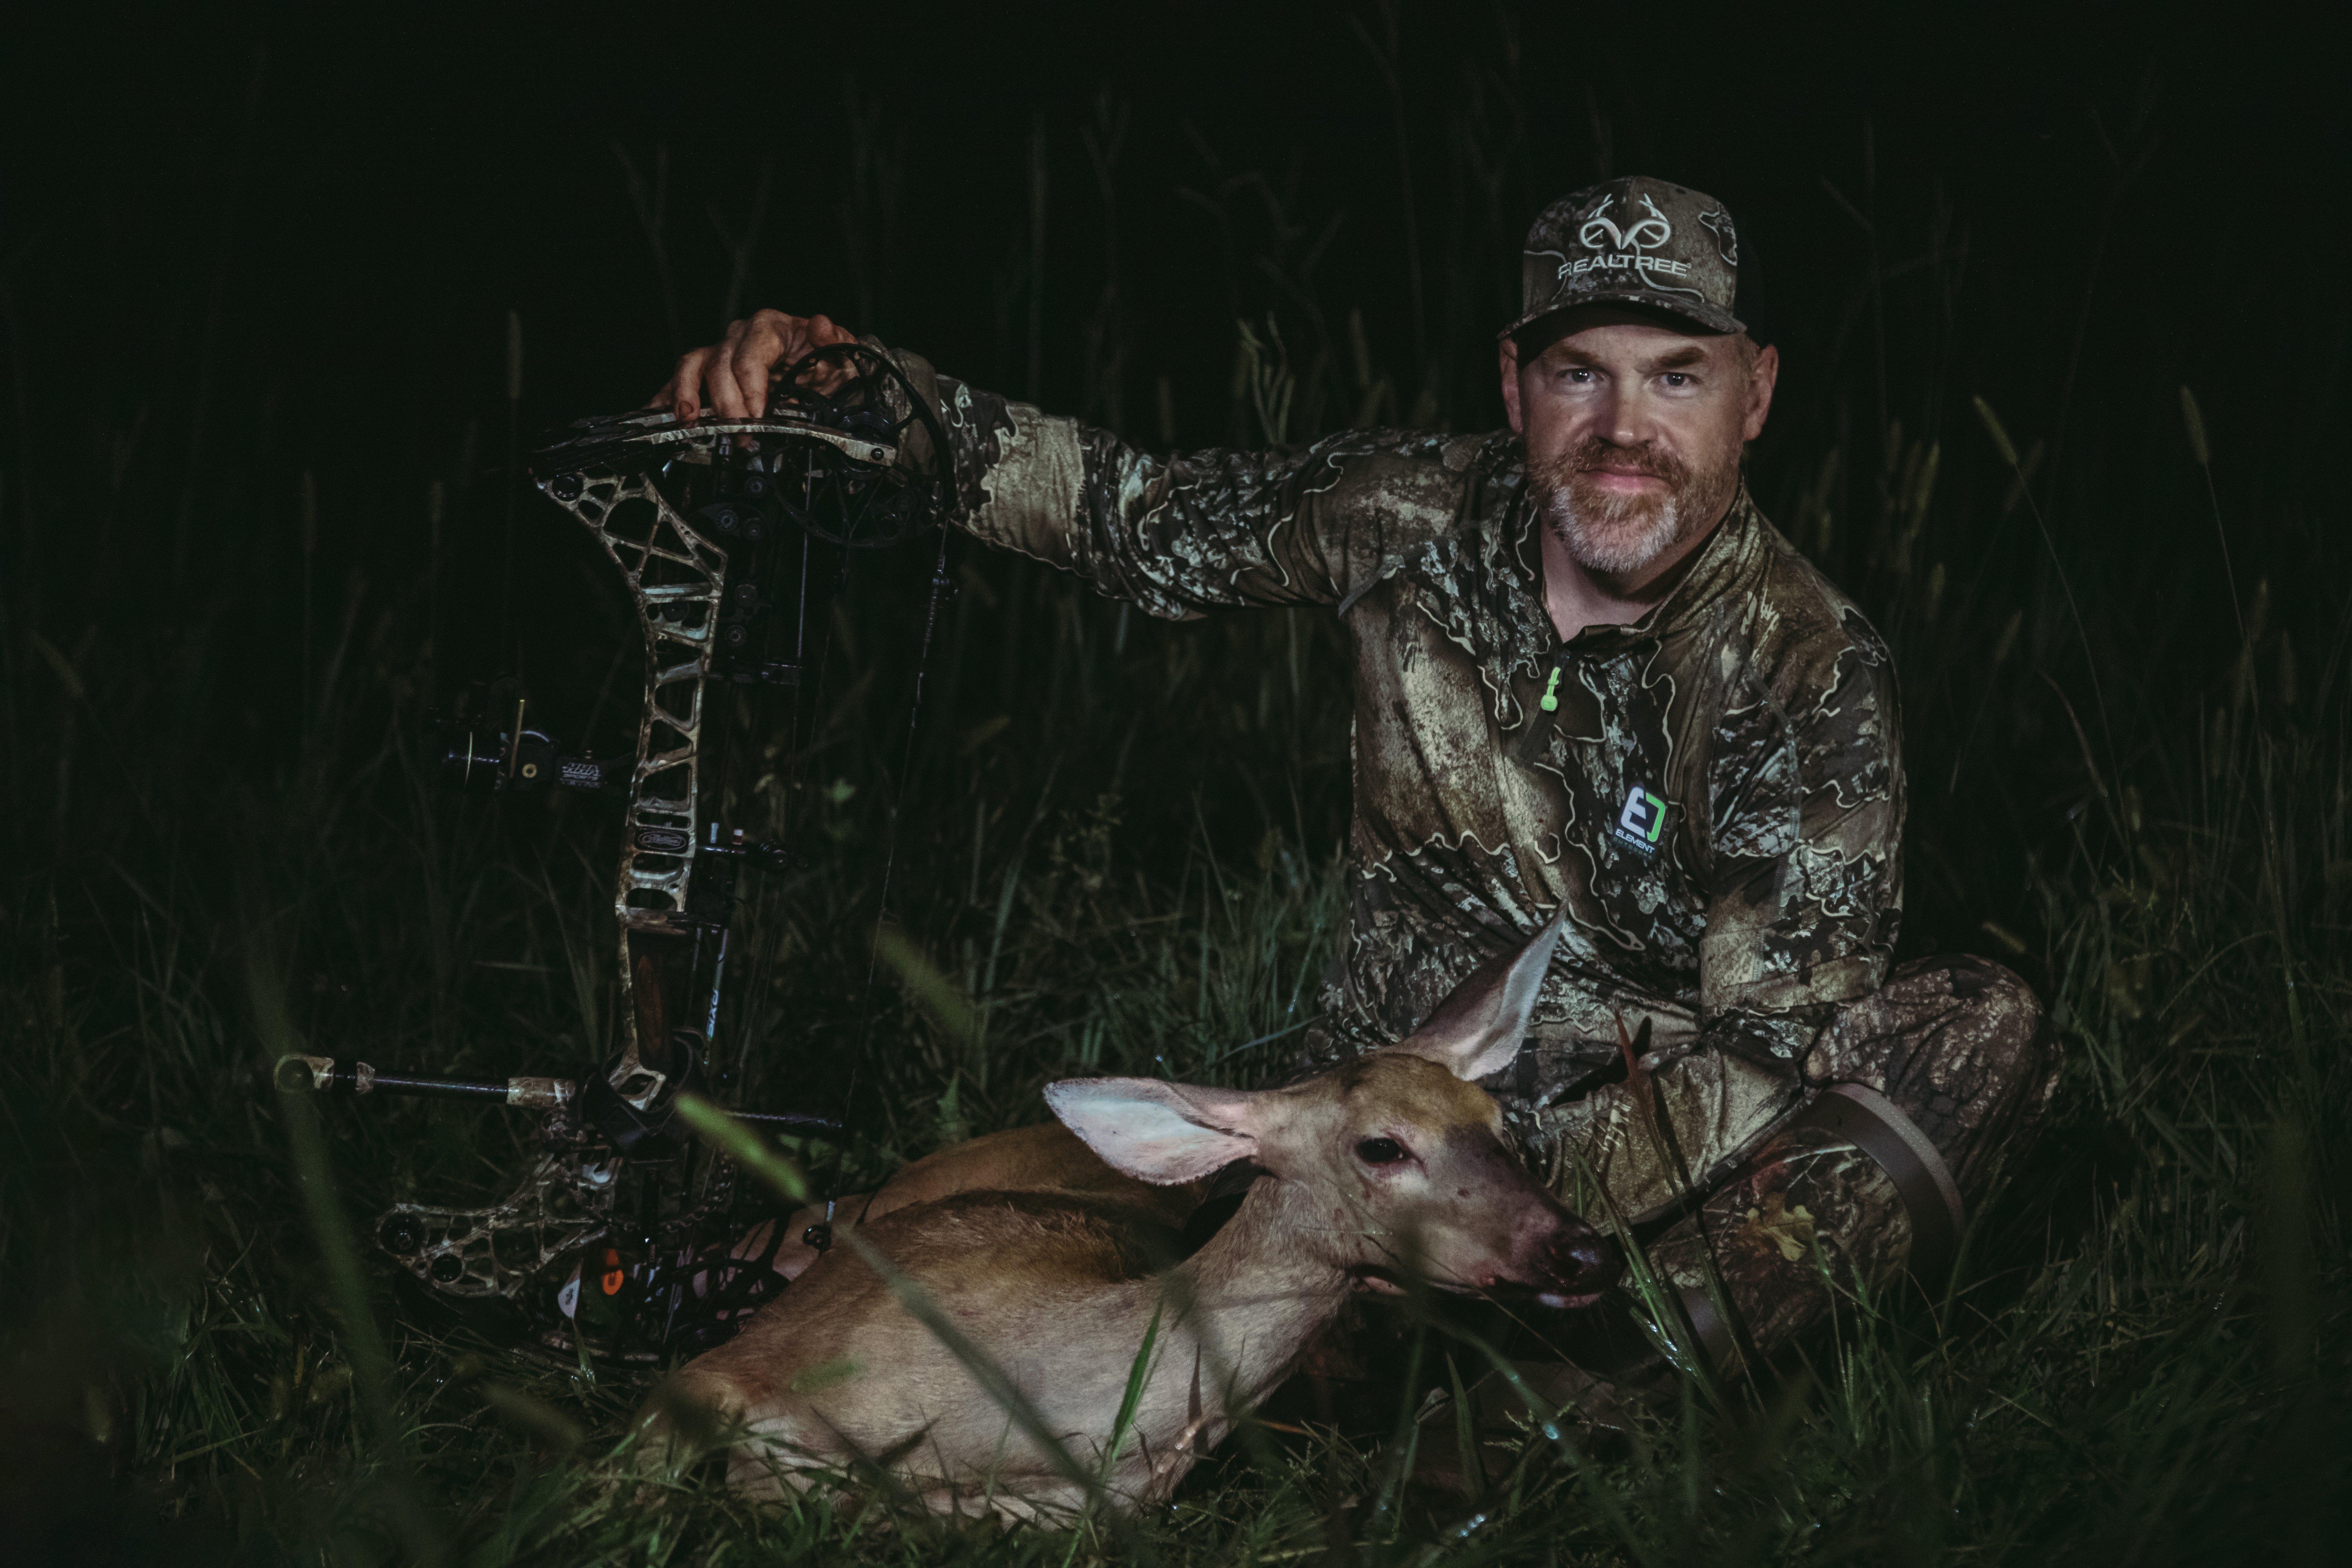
point(1617, 534)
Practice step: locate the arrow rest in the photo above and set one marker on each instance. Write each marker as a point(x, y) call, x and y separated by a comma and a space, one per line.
point(615, 1241)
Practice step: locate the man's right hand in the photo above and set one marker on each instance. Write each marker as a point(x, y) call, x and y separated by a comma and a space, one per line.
point(731, 378)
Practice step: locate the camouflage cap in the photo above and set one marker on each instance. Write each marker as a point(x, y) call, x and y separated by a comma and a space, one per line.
point(1638, 242)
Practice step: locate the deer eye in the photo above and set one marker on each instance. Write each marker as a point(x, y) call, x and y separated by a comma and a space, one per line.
point(1380, 1151)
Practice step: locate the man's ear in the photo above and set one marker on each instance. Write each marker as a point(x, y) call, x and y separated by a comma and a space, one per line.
point(1477, 1030)
point(1510, 351)
point(1155, 1131)
point(1762, 377)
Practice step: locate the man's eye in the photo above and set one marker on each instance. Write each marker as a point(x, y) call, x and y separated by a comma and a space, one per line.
point(1577, 373)
point(1676, 378)
point(1380, 1151)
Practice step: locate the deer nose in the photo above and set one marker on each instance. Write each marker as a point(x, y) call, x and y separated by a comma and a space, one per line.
point(1582, 1260)
point(1599, 1261)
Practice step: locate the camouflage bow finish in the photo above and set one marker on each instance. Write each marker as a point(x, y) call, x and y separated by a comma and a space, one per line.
point(606, 1228)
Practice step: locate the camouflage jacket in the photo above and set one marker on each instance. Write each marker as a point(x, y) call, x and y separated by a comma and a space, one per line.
point(1716, 794)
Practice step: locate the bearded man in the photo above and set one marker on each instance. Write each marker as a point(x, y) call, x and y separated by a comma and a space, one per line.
point(1588, 673)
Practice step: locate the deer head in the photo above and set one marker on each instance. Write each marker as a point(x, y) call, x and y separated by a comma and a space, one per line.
point(1401, 1154)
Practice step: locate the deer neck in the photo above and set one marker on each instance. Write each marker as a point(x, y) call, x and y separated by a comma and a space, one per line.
point(1265, 1284)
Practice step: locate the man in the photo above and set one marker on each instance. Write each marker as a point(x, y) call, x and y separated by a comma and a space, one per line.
point(1587, 671)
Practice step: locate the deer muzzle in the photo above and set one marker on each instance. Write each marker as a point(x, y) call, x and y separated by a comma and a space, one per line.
point(1563, 1259)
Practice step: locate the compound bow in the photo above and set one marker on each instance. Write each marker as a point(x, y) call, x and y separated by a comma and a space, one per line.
point(616, 1240)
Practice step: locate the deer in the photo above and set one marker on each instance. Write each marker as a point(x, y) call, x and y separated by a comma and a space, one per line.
point(1050, 1255)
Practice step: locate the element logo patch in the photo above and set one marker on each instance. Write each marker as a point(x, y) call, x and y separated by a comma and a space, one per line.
point(1643, 821)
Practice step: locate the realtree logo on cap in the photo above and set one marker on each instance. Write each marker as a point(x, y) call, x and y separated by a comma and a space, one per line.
point(1626, 247)
point(1638, 242)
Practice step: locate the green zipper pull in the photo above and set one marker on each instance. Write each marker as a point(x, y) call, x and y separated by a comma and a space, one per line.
point(1550, 701)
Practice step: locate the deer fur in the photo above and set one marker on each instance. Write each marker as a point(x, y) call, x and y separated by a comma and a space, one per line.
point(1057, 1266)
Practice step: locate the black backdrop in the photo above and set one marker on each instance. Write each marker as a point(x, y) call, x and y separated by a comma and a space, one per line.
point(241, 245)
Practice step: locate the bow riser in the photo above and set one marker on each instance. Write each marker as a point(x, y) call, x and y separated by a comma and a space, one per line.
point(615, 1238)
point(678, 579)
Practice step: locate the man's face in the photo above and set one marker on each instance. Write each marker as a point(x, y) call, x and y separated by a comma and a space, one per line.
point(1634, 432)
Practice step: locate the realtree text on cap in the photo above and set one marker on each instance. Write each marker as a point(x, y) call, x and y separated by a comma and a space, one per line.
point(1638, 242)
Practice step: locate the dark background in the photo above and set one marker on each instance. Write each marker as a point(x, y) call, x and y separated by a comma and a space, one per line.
point(239, 244)
point(261, 268)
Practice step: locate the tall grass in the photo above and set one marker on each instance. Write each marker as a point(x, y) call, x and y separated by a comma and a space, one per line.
point(1118, 845)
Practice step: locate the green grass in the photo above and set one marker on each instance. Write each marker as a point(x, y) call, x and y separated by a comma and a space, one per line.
point(2144, 1361)
point(1117, 845)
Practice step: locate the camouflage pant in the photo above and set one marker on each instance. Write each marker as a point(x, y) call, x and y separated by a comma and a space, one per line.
point(1958, 1043)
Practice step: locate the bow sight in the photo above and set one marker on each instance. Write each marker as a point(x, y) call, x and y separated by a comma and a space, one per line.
point(489, 746)
point(616, 1240)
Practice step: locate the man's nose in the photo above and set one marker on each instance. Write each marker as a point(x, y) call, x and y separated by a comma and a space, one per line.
point(1622, 422)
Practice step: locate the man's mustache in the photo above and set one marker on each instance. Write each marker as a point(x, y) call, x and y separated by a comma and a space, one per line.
point(1594, 453)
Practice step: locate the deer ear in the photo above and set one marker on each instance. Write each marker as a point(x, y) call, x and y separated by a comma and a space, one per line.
point(1477, 1030)
point(1155, 1131)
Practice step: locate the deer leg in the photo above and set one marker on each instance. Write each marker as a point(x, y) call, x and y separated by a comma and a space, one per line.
point(692, 1412)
